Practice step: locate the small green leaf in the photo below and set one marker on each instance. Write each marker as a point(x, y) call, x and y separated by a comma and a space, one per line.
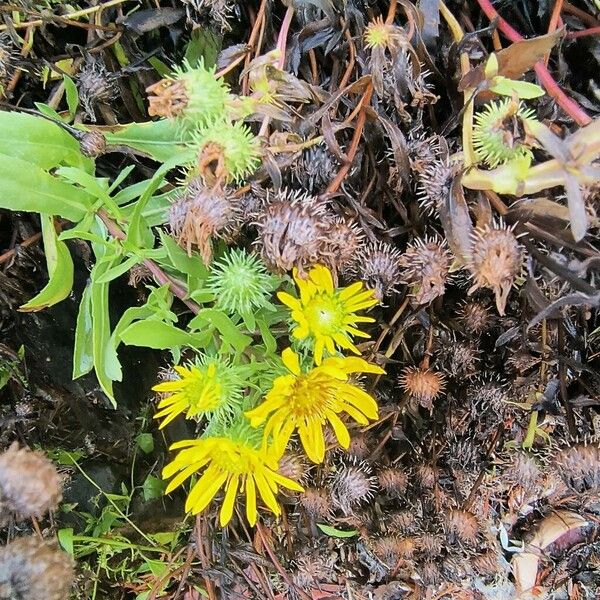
point(205, 44)
point(65, 539)
point(226, 327)
point(337, 533)
point(83, 356)
point(60, 269)
point(145, 442)
point(119, 270)
point(190, 265)
point(72, 96)
point(523, 89)
point(153, 487)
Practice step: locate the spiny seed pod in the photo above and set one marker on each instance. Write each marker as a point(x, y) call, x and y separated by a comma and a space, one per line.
point(579, 467)
point(423, 150)
point(8, 60)
point(292, 231)
point(391, 549)
point(523, 469)
point(501, 133)
point(92, 144)
point(460, 359)
point(425, 267)
point(475, 317)
point(430, 544)
point(425, 385)
point(488, 394)
point(139, 273)
point(464, 454)
point(359, 447)
point(352, 484)
point(344, 241)
point(311, 570)
point(393, 481)
point(227, 151)
point(241, 283)
point(462, 526)
point(316, 502)
point(427, 475)
point(379, 34)
point(495, 260)
point(31, 569)
point(217, 10)
point(486, 564)
point(29, 484)
point(377, 265)
point(316, 168)
point(294, 467)
point(96, 85)
point(404, 522)
point(434, 184)
point(191, 94)
point(199, 214)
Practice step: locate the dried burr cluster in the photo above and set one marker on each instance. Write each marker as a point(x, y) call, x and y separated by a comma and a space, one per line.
point(31, 567)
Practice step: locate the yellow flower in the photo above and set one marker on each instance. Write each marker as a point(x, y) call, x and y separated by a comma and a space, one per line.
point(325, 314)
point(211, 387)
point(305, 401)
point(232, 463)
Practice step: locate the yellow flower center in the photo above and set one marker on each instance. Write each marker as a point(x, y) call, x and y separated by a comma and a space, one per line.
point(311, 395)
point(202, 391)
point(235, 458)
point(325, 314)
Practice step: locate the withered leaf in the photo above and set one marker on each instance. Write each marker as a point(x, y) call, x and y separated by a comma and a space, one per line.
point(515, 60)
point(143, 21)
point(456, 221)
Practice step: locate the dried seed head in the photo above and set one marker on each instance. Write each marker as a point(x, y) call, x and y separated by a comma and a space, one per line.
point(430, 573)
point(316, 502)
point(475, 317)
point(404, 522)
point(199, 214)
point(344, 240)
point(29, 484)
point(219, 11)
point(464, 454)
point(359, 447)
point(486, 564)
point(425, 267)
point(31, 569)
point(393, 481)
point(423, 150)
point(311, 570)
point(294, 467)
point(460, 359)
point(427, 475)
point(192, 94)
point(434, 184)
point(424, 385)
point(495, 261)
point(461, 526)
point(96, 85)
point(316, 168)
point(139, 273)
point(92, 144)
point(8, 60)
point(523, 470)
point(352, 484)
point(488, 395)
point(579, 467)
point(377, 264)
point(391, 549)
point(292, 231)
point(430, 545)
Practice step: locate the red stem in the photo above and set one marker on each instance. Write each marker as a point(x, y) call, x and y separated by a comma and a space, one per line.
point(569, 105)
point(573, 35)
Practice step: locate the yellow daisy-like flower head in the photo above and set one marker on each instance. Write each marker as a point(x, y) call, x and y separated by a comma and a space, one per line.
point(305, 401)
point(209, 387)
point(326, 315)
point(230, 462)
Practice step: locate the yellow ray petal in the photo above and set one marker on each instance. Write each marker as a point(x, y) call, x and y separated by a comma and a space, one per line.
point(251, 501)
point(291, 361)
point(341, 433)
point(289, 300)
point(266, 493)
point(227, 508)
point(205, 490)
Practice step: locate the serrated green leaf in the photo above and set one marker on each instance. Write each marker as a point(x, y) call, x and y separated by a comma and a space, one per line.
point(26, 187)
point(153, 487)
point(145, 442)
point(337, 533)
point(60, 269)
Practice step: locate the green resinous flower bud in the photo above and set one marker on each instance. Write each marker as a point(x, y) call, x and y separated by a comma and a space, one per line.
point(191, 94)
point(241, 284)
point(233, 148)
point(500, 133)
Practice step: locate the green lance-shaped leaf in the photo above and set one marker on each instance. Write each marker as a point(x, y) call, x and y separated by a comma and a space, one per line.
point(60, 269)
point(27, 187)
